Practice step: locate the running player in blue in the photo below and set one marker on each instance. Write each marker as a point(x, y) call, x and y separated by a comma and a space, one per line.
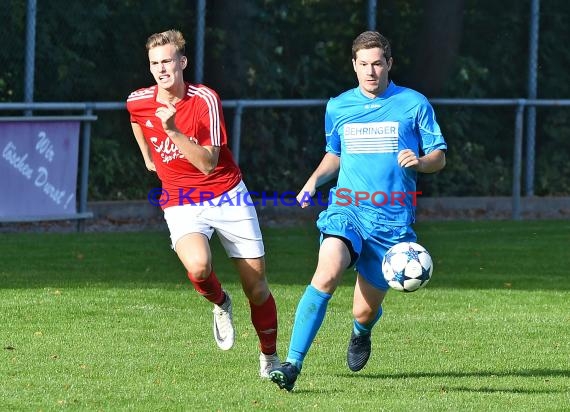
point(379, 136)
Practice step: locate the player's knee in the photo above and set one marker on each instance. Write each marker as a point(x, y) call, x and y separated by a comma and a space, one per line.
point(198, 270)
point(325, 281)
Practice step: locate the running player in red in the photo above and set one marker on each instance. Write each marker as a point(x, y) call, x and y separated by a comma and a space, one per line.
point(181, 133)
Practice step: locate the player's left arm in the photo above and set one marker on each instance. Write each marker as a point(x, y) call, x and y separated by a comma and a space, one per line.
point(204, 158)
point(429, 163)
point(432, 146)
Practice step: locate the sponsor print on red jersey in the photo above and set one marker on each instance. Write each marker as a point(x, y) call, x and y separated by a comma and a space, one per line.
point(199, 116)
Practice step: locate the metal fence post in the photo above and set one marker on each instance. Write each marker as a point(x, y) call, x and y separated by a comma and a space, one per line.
point(371, 14)
point(532, 86)
point(199, 45)
point(84, 171)
point(236, 131)
point(517, 161)
point(30, 53)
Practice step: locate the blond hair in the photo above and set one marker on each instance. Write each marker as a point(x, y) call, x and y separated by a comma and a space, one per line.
point(172, 36)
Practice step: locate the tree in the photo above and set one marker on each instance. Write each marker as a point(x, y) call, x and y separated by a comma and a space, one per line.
point(272, 49)
point(437, 46)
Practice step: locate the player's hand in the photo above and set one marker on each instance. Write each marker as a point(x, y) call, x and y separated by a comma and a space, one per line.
point(167, 114)
point(407, 158)
point(304, 198)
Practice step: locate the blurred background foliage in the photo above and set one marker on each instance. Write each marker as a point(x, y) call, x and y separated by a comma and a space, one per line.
point(267, 49)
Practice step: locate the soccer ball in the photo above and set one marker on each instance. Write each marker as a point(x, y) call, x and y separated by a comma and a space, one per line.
point(407, 267)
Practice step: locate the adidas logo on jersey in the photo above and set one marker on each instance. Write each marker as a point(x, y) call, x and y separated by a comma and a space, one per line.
point(148, 124)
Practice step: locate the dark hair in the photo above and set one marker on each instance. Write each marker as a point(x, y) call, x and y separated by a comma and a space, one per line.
point(371, 40)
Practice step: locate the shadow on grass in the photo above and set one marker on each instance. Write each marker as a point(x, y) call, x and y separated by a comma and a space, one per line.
point(552, 373)
point(523, 373)
point(500, 390)
point(531, 373)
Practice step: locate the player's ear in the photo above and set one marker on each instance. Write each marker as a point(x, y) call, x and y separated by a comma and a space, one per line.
point(183, 62)
point(389, 62)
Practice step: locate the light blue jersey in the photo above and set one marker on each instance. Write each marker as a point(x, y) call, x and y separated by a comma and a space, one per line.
point(367, 134)
point(373, 205)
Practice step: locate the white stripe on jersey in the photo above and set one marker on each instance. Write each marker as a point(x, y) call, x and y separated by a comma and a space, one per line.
point(141, 94)
point(374, 137)
point(213, 109)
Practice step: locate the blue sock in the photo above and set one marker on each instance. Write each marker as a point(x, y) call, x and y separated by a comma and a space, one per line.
point(308, 319)
point(360, 329)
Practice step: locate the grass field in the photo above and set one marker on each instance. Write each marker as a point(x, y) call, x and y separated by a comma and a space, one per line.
point(108, 322)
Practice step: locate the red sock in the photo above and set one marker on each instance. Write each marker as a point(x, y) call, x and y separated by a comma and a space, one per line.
point(210, 288)
point(264, 319)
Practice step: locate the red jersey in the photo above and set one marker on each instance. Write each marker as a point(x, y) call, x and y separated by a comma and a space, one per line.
point(198, 116)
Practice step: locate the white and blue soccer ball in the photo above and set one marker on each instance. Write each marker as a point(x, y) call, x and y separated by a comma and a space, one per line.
point(407, 267)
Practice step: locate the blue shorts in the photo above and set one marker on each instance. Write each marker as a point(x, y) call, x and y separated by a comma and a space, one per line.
point(370, 238)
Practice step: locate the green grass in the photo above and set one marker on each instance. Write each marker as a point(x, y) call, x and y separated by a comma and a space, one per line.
point(108, 321)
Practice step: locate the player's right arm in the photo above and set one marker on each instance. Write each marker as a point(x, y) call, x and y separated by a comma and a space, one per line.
point(143, 146)
point(326, 171)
